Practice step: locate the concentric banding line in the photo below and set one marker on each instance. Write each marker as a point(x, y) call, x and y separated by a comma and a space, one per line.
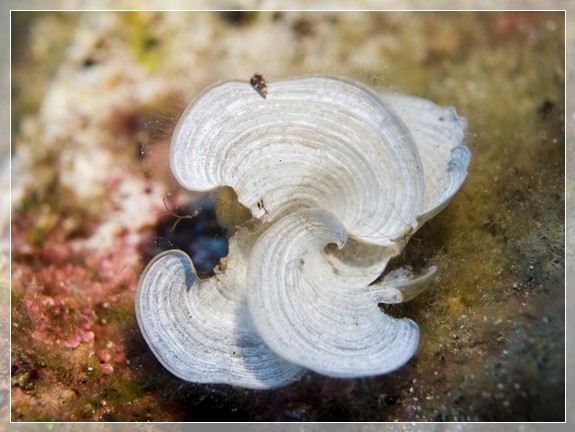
point(328, 142)
point(201, 330)
point(316, 317)
point(438, 133)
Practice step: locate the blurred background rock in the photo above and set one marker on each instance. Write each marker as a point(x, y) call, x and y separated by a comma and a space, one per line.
point(94, 96)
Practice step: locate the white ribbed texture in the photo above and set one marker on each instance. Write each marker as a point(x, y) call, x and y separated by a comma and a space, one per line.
point(337, 178)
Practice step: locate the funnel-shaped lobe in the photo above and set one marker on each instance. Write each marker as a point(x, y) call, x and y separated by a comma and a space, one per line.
point(200, 330)
point(310, 313)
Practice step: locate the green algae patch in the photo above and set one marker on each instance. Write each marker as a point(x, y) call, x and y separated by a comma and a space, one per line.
point(145, 45)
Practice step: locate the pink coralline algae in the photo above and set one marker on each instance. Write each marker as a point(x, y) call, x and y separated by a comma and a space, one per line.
point(65, 295)
point(56, 321)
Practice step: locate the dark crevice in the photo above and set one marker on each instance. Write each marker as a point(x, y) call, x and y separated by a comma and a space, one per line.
point(193, 229)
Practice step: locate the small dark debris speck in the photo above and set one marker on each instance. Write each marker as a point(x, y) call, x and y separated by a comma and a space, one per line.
point(545, 109)
point(237, 18)
point(89, 62)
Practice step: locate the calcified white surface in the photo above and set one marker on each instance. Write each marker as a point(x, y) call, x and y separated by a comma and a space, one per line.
point(312, 315)
point(337, 179)
point(207, 336)
point(438, 132)
point(293, 150)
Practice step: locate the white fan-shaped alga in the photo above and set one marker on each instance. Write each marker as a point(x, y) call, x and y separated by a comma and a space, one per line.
point(337, 178)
